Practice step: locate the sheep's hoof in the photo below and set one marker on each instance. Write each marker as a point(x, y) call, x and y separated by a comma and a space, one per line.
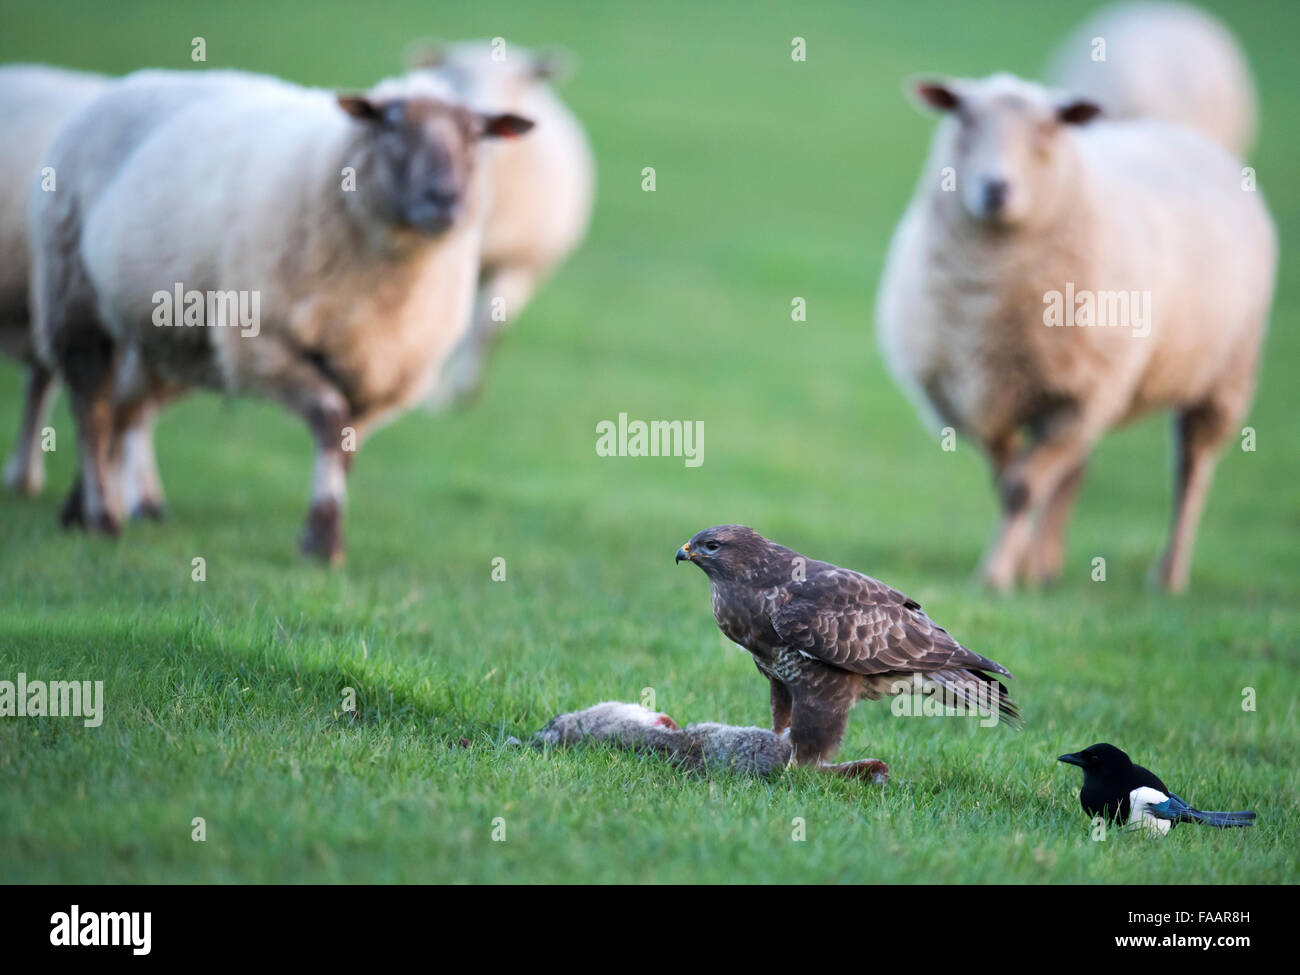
point(22, 478)
point(464, 375)
point(150, 510)
point(1163, 575)
point(322, 538)
point(998, 579)
point(106, 524)
point(467, 390)
point(1041, 574)
point(865, 768)
point(72, 515)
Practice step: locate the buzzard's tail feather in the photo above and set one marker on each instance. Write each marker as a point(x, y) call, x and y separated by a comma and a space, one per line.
point(979, 691)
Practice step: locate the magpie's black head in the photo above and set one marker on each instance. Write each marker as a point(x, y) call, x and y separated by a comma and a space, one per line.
point(1098, 759)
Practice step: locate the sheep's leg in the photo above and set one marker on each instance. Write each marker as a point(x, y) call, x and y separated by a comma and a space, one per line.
point(304, 384)
point(1046, 554)
point(1001, 450)
point(502, 295)
point(1198, 435)
point(71, 514)
point(25, 471)
point(131, 448)
point(1026, 485)
point(323, 534)
point(87, 367)
point(142, 484)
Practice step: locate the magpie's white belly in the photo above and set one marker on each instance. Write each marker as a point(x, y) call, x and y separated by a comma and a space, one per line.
point(1139, 799)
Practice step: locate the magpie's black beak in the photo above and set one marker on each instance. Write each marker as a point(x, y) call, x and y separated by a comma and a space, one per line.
point(1074, 758)
point(683, 553)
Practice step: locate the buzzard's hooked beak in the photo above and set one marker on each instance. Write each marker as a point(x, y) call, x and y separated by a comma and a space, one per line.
point(683, 553)
point(1071, 759)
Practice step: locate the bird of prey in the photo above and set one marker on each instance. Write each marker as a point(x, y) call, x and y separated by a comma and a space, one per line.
point(1119, 791)
point(827, 637)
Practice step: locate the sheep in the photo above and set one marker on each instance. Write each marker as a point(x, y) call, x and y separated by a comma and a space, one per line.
point(345, 226)
point(1165, 61)
point(1046, 209)
point(34, 101)
point(542, 188)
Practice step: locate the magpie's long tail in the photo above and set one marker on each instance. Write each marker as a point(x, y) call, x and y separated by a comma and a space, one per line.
point(1178, 811)
point(1223, 820)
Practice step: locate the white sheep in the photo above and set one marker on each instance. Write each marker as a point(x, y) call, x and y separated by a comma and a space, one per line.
point(542, 187)
point(344, 230)
point(1025, 215)
point(34, 101)
point(1165, 61)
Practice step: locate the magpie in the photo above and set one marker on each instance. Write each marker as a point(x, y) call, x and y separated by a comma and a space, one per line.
point(1120, 791)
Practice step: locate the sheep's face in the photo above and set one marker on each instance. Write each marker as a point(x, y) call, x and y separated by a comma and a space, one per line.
point(1004, 139)
point(422, 155)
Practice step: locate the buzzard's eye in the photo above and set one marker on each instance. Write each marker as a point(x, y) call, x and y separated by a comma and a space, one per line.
point(711, 546)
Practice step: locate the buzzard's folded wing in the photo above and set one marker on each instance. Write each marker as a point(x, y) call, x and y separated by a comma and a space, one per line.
point(862, 625)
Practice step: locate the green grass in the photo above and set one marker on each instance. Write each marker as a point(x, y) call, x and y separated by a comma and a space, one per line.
point(775, 179)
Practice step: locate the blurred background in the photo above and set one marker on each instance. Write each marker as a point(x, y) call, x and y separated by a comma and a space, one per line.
point(775, 179)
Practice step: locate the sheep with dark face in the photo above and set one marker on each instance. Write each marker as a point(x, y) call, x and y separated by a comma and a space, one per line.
point(1141, 235)
point(348, 225)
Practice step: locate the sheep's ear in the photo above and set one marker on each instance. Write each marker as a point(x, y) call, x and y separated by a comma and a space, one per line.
point(1078, 111)
point(390, 111)
point(552, 64)
point(503, 126)
point(360, 107)
point(424, 54)
point(936, 94)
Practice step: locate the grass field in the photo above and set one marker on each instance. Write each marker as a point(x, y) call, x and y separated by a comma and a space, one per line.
point(774, 179)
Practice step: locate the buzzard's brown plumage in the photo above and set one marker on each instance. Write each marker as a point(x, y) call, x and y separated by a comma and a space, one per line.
point(826, 637)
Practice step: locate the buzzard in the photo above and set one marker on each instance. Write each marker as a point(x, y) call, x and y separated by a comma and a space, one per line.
point(826, 637)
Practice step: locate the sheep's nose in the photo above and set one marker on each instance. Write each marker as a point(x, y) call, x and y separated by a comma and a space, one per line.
point(995, 195)
point(440, 196)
